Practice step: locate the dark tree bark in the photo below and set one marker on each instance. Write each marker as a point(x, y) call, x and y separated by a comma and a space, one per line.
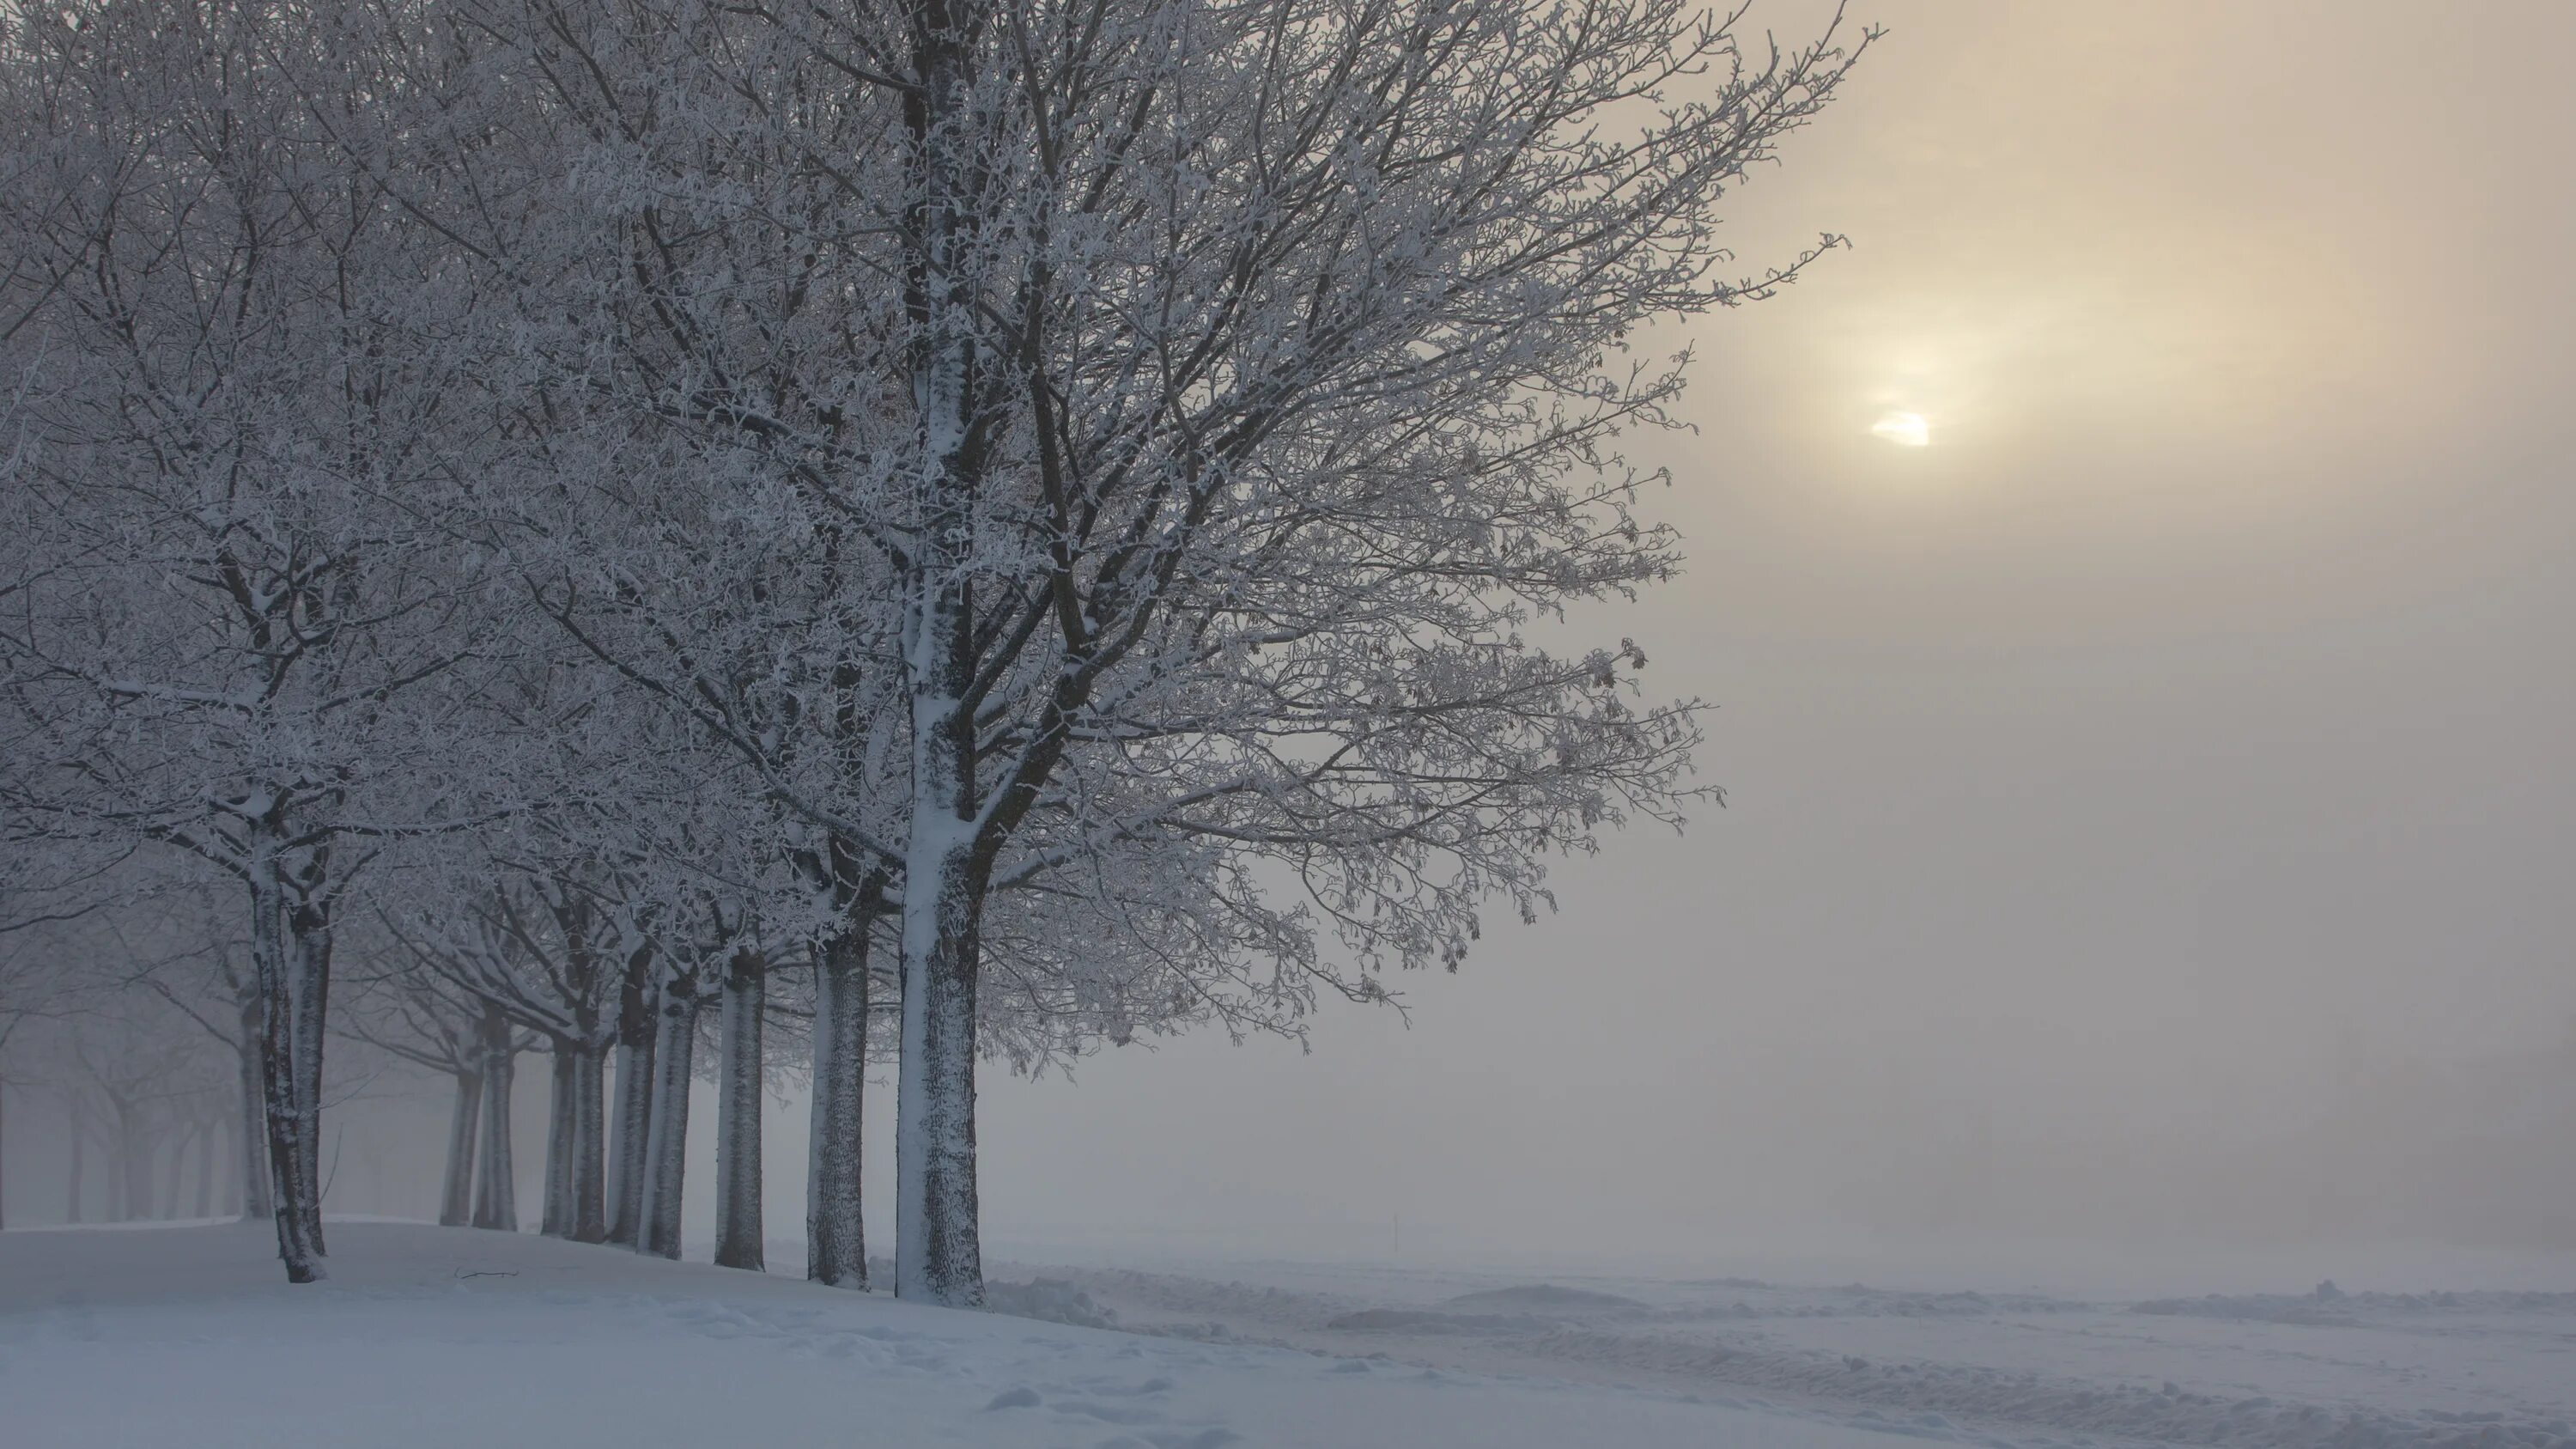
point(836, 1250)
point(291, 1123)
point(496, 1203)
point(250, 1140)
point(309, 932)
point(555, 1220)
point(666, 1152)
point(589, 1204)
point(938, 1252)
point(456, 1192)
point(638, 1023)
point(738, 1207)
point(574, 1197)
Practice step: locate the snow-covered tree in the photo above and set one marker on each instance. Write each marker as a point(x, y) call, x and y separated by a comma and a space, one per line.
point(245, 394)
point(1047, 506)
point(1246, 379)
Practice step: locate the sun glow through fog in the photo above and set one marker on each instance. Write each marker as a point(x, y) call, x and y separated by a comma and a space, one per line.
point(1907, 430)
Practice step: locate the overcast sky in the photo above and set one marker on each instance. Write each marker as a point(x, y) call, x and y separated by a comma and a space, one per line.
point(2177, 739)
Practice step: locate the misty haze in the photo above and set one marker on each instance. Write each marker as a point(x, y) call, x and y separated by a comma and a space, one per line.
point(1147, 724)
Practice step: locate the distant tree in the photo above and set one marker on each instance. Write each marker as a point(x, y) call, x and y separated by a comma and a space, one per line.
point(417, 1016)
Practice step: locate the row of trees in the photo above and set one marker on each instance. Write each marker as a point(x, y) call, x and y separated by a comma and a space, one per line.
point(146, 1060)
point(1023, 520)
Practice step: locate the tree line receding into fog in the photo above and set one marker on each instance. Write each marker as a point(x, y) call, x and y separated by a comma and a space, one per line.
point(910, 532)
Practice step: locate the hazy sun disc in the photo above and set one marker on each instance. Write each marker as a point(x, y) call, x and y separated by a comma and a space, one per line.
point(1904, 429)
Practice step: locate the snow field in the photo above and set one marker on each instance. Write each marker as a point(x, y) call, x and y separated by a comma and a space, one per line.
point(442, 1337)
point(2462, 1370)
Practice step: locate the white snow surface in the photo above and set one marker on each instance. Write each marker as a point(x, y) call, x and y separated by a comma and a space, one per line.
point(445, 1336)
point(2458, 1369)
point(440, 1336)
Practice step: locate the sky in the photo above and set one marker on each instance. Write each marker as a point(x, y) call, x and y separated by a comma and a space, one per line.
point(2138, 796)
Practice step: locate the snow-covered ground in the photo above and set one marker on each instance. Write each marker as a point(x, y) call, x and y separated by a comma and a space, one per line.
point(431, 1336)
point(2331, 1366)
point(445, 1337)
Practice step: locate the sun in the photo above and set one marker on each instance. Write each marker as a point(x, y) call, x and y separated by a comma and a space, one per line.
point(1906, 430)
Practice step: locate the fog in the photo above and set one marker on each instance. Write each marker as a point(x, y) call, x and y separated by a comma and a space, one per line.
point(2147, 804)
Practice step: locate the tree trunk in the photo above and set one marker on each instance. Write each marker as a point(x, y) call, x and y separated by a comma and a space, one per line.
point(309, 922)
point(134, 1204)
point(456, 1192)
point(589, 1208)
point(209, 1147)
point(738, 1208)
point(638, 1020)
point(836, 1250)
point(667, 1138)
point(251, 1141)
point(939, 1255)
point(178, 1176)
point(496, 1199)
point(72, 1189)
point(573, 1197)
point(556, 1220)
point(294, 1193)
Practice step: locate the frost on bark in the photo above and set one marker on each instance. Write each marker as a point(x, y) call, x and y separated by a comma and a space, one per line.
point(939, 1255)
point(639, 1022)
point(835, 1231)
point(738, 1208)
point(667, 1135)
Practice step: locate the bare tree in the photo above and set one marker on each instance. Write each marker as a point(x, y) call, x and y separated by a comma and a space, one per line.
point(1054, 498)
point(1248, 371)
point(248, 399)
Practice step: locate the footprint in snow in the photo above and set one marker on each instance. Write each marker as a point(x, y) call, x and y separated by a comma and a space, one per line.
point(1111, 1413)
point(1202, 1439)
point(1155, 1385)
point(1022, 1397)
